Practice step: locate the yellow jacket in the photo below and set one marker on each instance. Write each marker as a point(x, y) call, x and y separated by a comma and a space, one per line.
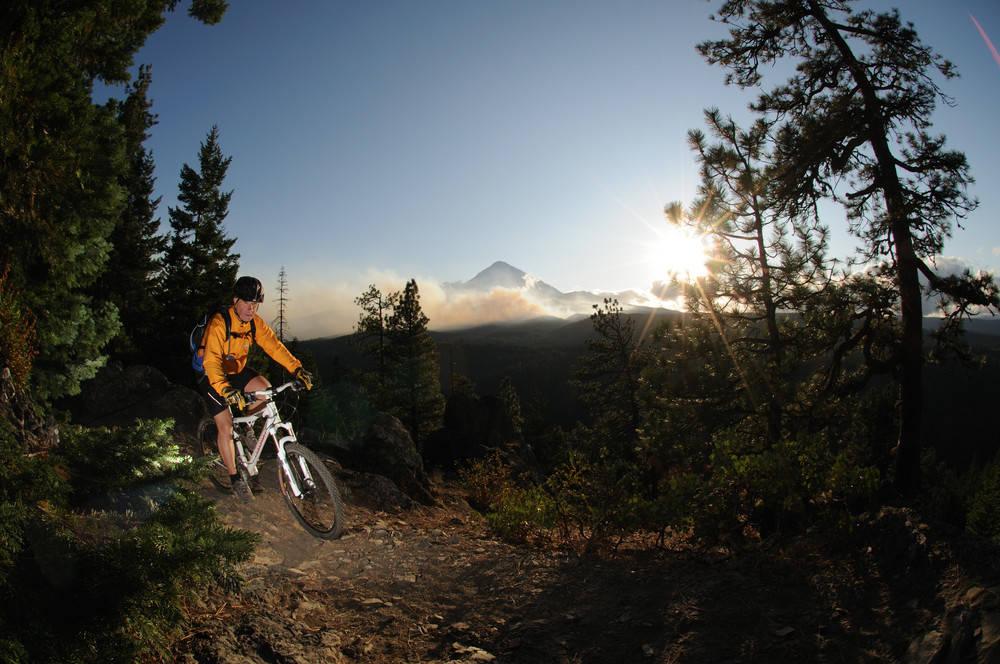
point(229, 356)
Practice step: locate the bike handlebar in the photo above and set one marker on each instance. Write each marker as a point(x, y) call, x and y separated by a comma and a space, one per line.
point(269, 393)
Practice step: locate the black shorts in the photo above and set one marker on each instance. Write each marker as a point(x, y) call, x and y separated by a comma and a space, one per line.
point(215, 402)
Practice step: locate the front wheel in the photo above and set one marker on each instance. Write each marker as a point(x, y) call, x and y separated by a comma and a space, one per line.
point(318, 508)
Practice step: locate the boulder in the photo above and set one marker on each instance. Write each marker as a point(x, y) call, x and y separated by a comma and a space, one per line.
point(118, 396)
point(388, 450)
point(373, 491)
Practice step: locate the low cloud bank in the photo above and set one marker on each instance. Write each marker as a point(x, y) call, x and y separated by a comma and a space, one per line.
point(329, 310)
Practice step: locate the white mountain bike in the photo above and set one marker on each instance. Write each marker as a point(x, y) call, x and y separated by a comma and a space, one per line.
point(306, 484)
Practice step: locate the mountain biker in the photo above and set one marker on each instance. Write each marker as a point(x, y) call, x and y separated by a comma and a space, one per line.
point(227, 375)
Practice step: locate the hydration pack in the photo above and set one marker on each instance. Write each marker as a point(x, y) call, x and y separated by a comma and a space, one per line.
point(196, 340)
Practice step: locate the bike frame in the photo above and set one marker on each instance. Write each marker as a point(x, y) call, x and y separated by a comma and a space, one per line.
point(275, 428)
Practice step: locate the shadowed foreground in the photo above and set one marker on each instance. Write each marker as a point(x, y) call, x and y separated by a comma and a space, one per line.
point(430, 585)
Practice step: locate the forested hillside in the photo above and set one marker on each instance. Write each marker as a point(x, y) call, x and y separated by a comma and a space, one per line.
point(539, 357)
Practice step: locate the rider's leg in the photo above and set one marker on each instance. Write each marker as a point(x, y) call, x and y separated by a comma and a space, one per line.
point(255, 384)
point(224, 419)
point(227, 451)
point(219, 410)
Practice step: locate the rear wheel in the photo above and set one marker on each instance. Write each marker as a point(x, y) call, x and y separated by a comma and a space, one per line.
point(319, 508)
point(207, 445)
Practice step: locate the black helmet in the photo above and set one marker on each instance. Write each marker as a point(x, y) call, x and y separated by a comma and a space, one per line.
point(248, 289)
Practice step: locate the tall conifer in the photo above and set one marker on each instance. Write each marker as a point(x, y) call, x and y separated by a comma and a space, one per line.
point(415, 383)
point(371, 339)
point(199, 268)
point(854, 118)
point(62, 160)
point(608, 380)
point(133, 274)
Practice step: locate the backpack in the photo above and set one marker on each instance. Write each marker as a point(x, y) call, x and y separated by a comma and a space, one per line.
point(196, 340)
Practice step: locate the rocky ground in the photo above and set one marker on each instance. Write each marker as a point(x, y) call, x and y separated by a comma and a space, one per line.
point(430, 584)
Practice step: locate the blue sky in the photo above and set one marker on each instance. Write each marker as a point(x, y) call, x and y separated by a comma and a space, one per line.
point(383, 140)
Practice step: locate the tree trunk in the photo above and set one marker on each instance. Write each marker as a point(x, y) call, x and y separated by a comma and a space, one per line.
point(911, 396)
point(907, 451)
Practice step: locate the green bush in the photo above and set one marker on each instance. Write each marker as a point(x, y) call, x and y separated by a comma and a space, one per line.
point(742, 493)
point(580, 502)
point(982, 500)
point(514, 509)
point(752, 493)
point(593, 502)
point(100, 545)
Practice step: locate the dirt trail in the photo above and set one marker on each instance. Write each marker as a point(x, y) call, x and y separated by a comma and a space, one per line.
point(431, 585)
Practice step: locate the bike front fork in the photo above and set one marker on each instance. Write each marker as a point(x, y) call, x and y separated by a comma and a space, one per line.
point(243, 437)
point(297, 472)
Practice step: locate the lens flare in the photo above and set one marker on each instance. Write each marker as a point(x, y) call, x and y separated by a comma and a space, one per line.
point(679, 254)
point(989, 44)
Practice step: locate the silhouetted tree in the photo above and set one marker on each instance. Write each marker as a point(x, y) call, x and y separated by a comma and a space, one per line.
point(414, 383)
point(608, 381)
point(280, 323)
point(768, 273)
point(854, 119)
point(133, 274)
point(371, 339)
point(199, 266)
point(511, 403)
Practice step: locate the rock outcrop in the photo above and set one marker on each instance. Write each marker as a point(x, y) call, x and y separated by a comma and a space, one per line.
point(387, 449)
point(119, 395)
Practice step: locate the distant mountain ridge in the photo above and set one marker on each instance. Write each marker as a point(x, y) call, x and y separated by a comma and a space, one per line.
point(504, 276)
point(505, 295)
point(501, 275)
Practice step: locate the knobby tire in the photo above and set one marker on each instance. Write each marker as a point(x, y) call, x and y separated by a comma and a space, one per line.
point(319, 510)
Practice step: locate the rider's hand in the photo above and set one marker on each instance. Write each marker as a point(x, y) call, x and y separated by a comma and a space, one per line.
point(234, 397)
point(305, 377)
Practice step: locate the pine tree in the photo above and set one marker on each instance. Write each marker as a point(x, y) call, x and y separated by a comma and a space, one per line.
point(137, 243)
point(414, 385)
point(371, 340)
point(62, 166)
point(199, 266)
point(280, 323)
point(767, 264)
point(608, 379)
point(102, 573)
point(855, 118)
point(511, 403)
point(59, 185)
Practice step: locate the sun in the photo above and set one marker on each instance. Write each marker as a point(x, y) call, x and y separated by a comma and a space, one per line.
point(679, 254)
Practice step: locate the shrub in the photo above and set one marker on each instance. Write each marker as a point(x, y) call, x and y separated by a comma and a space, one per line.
point(595, 502)
point(982, 501)
point(100, 546)
point(513, 508)
point(17, 333)
point(579, 502)
point(753, 493)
